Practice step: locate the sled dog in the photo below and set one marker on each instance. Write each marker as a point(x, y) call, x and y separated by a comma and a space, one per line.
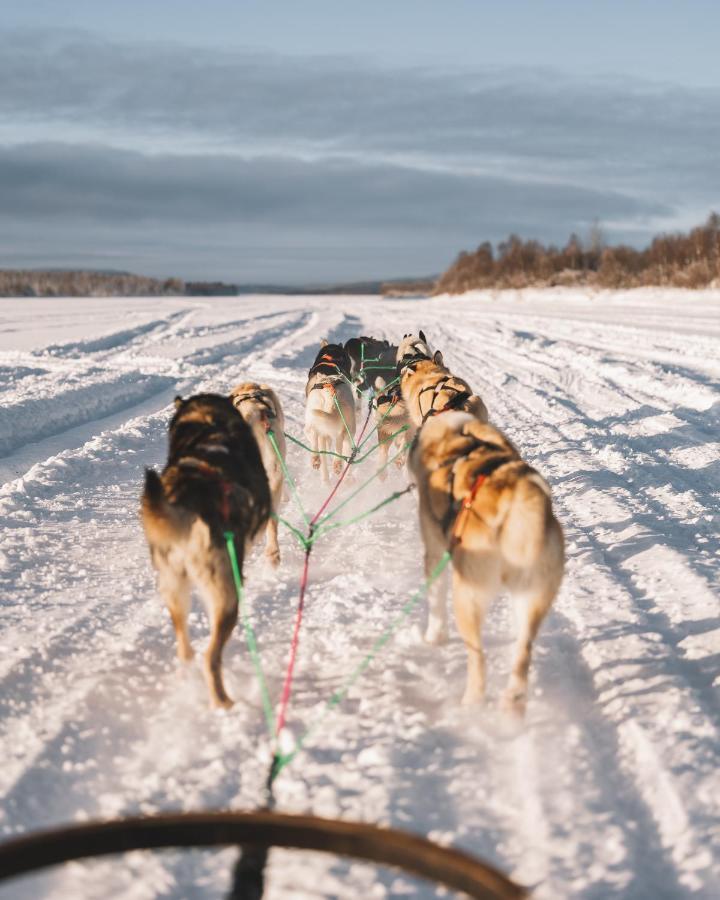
point(492, 512)
point(391, 416)
point(329, 407)
point(214, 482)
point(259, 405)
point(428, 386)
point(371, 358)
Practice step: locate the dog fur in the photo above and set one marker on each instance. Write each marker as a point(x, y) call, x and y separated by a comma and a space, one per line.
point(390, 416)
point(214, 482)
point(329, 379)
point(506, 539)
point(379, 357)
point(428, 387)
point(260, 406)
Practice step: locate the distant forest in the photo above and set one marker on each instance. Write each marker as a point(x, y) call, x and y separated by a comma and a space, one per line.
point(679, 260)
point(41, 283)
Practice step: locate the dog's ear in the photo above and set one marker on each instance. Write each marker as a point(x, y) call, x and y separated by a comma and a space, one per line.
point(422, 337)
point(178, 401)
point(438, 358)
point(323, 342)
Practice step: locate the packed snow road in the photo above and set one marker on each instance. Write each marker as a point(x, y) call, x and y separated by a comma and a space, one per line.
point(612, 787)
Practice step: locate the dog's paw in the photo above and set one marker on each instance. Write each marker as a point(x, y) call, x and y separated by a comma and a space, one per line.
point(382, 475)
point(337, 466)
point(223, 702)
point(436, 635)
point(315, 462)
point(513, 701)
point(186, 654)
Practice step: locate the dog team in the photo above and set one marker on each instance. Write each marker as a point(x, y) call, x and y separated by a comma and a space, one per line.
point(477, 499)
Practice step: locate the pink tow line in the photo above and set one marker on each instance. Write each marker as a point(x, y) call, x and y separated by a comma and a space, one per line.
point(287, 686)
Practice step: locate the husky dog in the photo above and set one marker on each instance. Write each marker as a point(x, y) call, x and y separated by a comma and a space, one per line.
point(492, 512)
point(428, 387)
point(259, 405)
point(391, 415)
point(371, 358)
point(329, 406)
point(214, 482)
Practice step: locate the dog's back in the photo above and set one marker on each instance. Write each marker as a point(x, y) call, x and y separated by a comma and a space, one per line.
point(214, 473)
point(429, 388)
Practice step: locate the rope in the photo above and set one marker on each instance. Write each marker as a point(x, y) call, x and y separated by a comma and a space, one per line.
point(344, 421)
point(340, 480)
point(294, 643)
point(362, 487)
point(250, 634)
point(288, 477)
point(339, 695)
point(325, 529)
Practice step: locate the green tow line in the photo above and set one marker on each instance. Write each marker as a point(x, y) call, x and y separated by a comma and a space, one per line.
point(281, 760)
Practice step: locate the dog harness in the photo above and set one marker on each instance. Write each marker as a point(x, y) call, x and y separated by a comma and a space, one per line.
point(326, 360)
point(392, 397)
point(458, 511)
point(327, 385)
point(455, 402)
point(269, 410)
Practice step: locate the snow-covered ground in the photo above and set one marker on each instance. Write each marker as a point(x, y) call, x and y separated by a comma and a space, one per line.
point(612, 789)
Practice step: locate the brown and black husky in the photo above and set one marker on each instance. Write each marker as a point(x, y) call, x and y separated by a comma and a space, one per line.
point(214, 482)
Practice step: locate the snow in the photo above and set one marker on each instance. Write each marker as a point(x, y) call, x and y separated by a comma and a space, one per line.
point(612, 786)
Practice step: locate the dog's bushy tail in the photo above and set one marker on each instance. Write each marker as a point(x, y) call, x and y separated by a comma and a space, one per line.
point(154, 493)
point(526, 528)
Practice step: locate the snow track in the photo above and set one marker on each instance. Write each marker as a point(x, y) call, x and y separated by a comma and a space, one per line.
point(611, 789)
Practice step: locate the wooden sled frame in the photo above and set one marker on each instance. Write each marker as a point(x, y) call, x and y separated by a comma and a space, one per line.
point(412, 853)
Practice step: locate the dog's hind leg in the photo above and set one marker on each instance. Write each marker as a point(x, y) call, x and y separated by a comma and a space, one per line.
point(272, 548)
point(337, 462)
point(216, 584)
point(382, 457)
point(470, 603)
point(174, 588)
point(316, 441)
point(437, 625)
point(529, 617)
point(324, 443)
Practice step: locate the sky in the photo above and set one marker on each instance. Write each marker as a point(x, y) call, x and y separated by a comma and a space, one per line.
point(296, 142)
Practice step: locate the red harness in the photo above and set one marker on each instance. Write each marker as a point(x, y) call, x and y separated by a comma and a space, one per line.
point(464, 511)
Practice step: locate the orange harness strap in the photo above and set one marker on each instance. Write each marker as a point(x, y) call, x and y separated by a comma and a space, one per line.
point(464, 511)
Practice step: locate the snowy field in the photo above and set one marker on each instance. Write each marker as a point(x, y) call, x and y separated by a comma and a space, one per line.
point(612, 788)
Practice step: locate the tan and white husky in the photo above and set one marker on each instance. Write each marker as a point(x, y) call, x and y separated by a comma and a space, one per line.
point(493, 513)
point(330, 407)
point(260, 406)
point(428, 386)
point(390, 417)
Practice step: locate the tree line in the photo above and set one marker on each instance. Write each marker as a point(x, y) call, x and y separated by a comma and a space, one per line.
point(689, 260)
point(30, 283)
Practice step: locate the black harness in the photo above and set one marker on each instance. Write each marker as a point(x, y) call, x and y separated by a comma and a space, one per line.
point(500, 456)
point(460, 395)
point(392, 395)
point(260, 398)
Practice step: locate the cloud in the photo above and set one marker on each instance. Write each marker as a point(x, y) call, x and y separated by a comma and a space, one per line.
point(275, 151)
